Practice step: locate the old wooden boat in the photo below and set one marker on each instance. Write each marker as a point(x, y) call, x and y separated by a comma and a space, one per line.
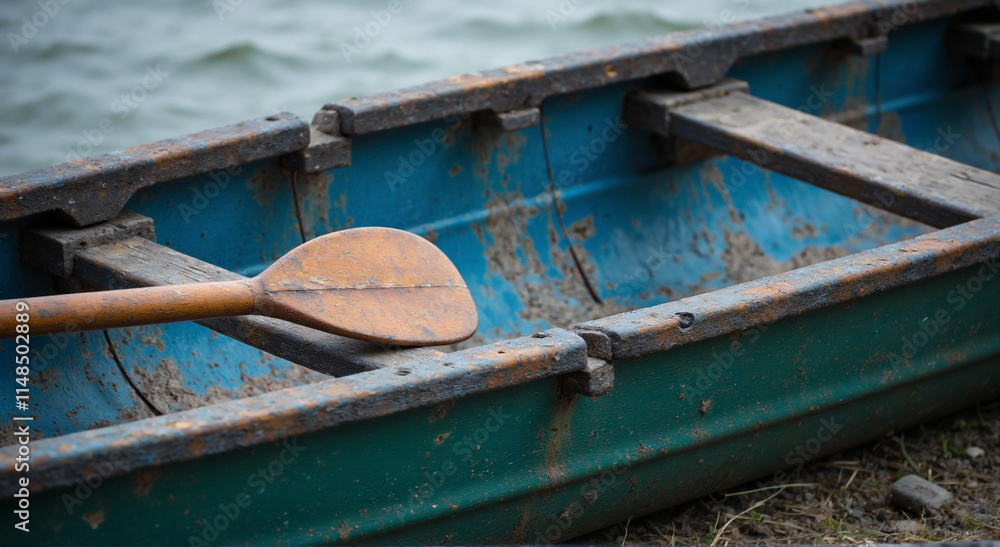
point(699, 259)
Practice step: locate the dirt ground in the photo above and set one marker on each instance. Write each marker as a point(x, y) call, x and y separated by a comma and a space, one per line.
point(845, 498)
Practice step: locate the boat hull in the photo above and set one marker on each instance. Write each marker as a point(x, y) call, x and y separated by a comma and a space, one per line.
point(773, 322)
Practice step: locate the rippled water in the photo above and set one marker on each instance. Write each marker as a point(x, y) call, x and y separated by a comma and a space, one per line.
point(100, 76)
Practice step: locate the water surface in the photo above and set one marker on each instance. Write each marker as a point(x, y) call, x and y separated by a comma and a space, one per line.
point(100, 76)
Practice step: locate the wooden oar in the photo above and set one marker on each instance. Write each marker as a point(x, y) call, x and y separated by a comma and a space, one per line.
point(376, 284)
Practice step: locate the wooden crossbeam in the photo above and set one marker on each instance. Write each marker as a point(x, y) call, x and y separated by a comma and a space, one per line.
point(139, 262)
point(883, 173)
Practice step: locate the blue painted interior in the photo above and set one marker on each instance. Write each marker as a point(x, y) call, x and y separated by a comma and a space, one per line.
point(645, 232)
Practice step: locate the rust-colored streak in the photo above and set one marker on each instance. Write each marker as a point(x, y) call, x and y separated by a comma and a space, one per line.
point(94, 519)
point(375, 284)
point(144, 481)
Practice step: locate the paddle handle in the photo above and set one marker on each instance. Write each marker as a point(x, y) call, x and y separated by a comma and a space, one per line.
point(125, 308)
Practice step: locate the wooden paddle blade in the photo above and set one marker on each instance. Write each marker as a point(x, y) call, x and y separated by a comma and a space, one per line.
point(376, 284)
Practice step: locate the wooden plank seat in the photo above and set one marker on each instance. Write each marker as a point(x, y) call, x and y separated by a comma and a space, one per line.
point(878, 171)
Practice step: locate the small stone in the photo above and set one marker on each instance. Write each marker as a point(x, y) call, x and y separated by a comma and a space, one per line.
point(884, 514)
point(918, 495)
point(983, 517)
point(909, 527)
point(979, 508)
point(974, 452)
point(808, 496)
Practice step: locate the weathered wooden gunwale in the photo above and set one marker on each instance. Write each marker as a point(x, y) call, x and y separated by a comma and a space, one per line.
point(90, 190)
point(688, 60)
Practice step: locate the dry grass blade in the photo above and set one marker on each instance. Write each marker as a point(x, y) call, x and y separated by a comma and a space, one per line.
point(766, 488)
point(745, 511)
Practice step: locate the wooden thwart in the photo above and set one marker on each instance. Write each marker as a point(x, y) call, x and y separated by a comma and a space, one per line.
point(883, 173)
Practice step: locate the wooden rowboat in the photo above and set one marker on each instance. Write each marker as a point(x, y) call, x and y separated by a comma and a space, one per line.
point(698, 259)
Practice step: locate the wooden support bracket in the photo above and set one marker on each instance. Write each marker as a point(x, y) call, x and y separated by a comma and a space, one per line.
point(865, 46)
point(979, 42)
point(512, 120)
point(325, 151)
point(650, 111)
point(596, 379)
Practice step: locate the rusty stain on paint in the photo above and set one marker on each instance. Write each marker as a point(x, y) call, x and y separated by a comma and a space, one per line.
point(144, 480)
point(94, 519)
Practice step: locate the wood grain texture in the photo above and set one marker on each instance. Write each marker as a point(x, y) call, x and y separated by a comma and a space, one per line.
point(133, 307)
point(375, 284)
